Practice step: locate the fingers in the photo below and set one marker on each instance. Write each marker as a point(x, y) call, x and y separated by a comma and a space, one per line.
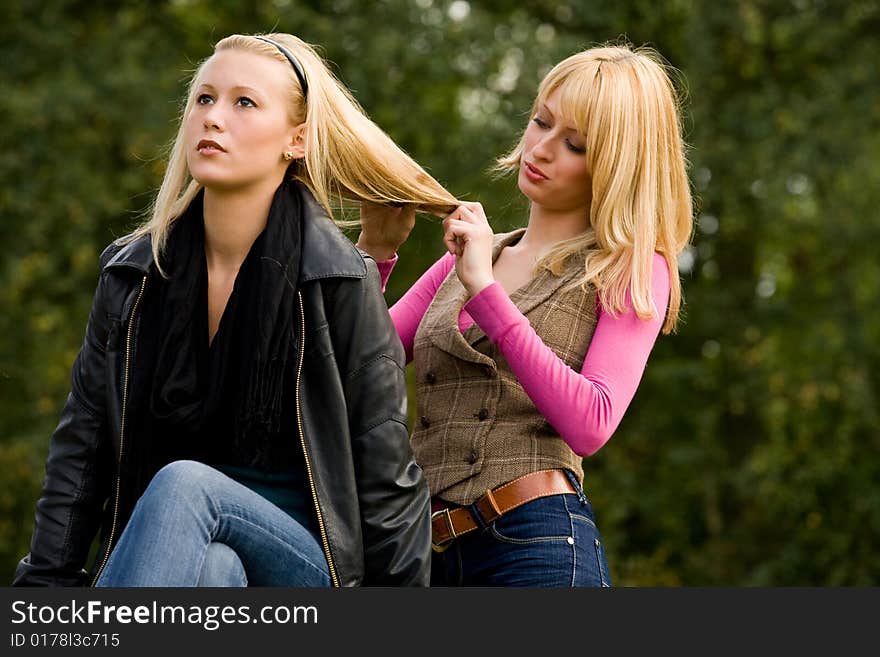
point(377, 212)
point(452, 245)
point(384, 227)
point(467, 222)
point(451, 237)
point(459, 228)
point(457, 233)
point(404, 213)
point(408, 215)
point(470, 211)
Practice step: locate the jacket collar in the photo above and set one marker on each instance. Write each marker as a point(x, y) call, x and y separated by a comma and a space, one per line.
point(327, 252)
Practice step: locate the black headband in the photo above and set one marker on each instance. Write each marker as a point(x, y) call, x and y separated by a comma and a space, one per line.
point(296, 67)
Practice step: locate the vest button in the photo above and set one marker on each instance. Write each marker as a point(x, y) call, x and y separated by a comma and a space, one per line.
point(472, 458)
point(483, 414)
point(431, 378)
point(424, 421)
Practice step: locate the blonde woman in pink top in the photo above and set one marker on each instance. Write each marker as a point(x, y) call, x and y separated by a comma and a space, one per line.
point(529, 346)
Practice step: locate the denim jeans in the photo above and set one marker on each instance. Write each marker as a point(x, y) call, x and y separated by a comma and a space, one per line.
point(550, 541)
point(194, 526)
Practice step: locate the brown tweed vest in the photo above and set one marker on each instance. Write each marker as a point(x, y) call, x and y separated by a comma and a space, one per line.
point(476, 427)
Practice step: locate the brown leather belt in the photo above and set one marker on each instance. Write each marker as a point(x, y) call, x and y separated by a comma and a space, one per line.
point(449, 524)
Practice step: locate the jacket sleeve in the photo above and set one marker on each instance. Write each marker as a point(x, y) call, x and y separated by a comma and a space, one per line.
point(392, 493)
point(78, 468)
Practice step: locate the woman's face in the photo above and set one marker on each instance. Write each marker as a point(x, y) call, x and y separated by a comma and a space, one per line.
point(238, 128)
point(553, 166)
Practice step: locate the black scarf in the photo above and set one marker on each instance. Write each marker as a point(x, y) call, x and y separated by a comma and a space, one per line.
point(237, 385)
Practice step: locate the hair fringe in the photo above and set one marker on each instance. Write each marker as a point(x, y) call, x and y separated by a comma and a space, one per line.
point(623, 100)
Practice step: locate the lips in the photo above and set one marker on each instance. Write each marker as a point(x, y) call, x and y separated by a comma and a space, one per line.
point(534, 173)
point(209, 146)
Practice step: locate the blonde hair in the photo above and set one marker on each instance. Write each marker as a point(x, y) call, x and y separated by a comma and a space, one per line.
point(625, 105)
point(347, 157)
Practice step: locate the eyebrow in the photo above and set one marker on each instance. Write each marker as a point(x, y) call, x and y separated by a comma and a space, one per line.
point(236, 88)
point(567, 127)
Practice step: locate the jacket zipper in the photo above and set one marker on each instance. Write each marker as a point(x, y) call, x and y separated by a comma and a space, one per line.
point(128, 337)
point(302, 438)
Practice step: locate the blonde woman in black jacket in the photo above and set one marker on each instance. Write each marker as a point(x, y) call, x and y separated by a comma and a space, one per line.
point(219, 430)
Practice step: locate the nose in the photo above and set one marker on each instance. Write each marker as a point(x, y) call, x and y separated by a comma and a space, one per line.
point(211, 119)
point(543, 148)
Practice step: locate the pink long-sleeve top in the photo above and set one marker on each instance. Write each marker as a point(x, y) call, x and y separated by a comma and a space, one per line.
point(584, 407)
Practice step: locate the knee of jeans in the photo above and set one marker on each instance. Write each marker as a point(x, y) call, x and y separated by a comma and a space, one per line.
point(222, 567)
point(180, 480)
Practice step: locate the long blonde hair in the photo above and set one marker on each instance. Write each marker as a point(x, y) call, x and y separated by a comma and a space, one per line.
point(348, 157)
point(624, 103)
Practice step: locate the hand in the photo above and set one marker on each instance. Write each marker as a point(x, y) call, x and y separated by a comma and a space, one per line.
point(384, 228)
point(468, 236)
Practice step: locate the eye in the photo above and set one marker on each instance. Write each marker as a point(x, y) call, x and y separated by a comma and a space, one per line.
point(204, 99)
point(244, 101)
point(574, 148)
point(541, 123)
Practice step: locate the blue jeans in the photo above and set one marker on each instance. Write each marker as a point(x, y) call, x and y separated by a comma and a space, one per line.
point(550, 541)
point(194, 526)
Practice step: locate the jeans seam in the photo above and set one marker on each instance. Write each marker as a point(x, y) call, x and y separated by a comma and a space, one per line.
point(526, 541)
point(584, 518)
point(574, 562)
point(598, 545)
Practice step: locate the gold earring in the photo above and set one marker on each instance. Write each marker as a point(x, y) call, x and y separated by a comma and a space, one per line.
point(288, 156)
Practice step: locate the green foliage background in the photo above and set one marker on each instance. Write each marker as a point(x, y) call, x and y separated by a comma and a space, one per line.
point(749, 455)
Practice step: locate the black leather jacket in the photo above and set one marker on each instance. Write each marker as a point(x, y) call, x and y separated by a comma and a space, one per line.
point(370, 496)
